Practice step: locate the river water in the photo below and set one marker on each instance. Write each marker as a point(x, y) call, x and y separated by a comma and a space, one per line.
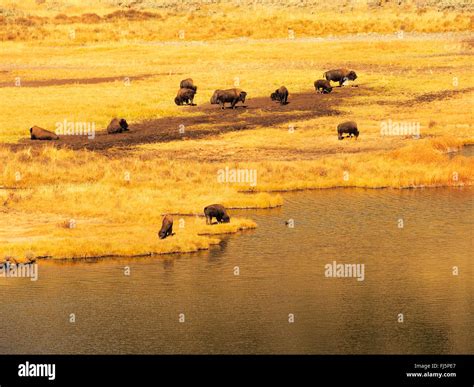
point(408, 270)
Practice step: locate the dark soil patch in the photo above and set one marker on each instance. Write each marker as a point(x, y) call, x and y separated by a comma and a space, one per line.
point(257, 112)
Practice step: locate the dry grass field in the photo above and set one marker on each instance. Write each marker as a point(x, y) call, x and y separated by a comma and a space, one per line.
point(83, 197)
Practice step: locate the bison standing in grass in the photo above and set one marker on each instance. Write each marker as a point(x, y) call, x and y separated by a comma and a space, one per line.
point(340, 75)
point(217, 211)
point(166, 227)
point(231, 96)
point(38, 133)
point(322, 86)
point(280, 95)
point(117, 126)
point(185, 96)
point(188, 84)
point(349, 127)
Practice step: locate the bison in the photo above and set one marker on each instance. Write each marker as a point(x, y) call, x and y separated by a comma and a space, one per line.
point(230, 95)
point(340, 75)
point(349, 127)
point(217, 211)
point(117, 126)
point(280, 95)
point(188, 84)
point(185, 96)
point(38, 133)
point(322, 86)
point(166, 227)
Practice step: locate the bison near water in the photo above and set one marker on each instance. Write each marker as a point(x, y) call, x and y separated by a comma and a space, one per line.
point(217, 211)
point(188, 84)
point(340, 75)
point(280, 95)
point(185, 96)
point(117, 126)
point(38, 133)
point(322, 86)
point(349, 127)
point(166, 227)
point(232, 96)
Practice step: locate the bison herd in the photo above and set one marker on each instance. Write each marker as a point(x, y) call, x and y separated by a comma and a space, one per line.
point(187, 91)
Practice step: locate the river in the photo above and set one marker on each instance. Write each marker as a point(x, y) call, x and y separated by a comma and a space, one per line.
point(281, 300)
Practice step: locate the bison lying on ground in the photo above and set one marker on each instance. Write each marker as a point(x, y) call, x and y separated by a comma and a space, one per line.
point(117, 126)
point(184, 96)
point(322, 86)
point(280, 95)
point(217, 211)
point(166, 227)
point(230, 95)
point(340, 75)
point(349, 127)
point(188, 84)
point(38, 133)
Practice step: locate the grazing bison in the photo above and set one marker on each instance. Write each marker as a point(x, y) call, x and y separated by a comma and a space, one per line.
point(184, 96)
point(349, 127)
point(280, 95)
point(322, 86)
point(38, 133)
point(230, 95)
point(217, 211)
point(117, 126)
point(166, 227)
point(188, 84)
point(340, 75)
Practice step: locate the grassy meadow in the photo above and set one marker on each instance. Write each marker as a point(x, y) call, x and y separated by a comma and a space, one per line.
point(71, 203)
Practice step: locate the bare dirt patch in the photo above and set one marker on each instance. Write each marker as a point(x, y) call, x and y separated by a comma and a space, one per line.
point(257, 112)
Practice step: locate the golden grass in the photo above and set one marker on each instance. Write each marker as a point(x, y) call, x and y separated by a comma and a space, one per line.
point(43, 189)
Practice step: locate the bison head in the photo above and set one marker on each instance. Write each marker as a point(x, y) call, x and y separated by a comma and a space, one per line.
point(242, 96)
point(214, 97)
point(123, 124)
point(352, 76)
point(225, 219)
point(162, 234)
point(177, 101)
point(273, 96)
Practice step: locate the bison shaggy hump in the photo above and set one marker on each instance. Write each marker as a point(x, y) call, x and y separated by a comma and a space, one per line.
point(188, 83)
point(184, 96)
point(117, 126)
point(37, 133)
point(217, 211)
point(322, 86)
point(231, 96)
point(349, 127)
point(280, 95)
point(340, 75)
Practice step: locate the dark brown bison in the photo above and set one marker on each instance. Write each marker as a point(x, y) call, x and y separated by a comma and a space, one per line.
point(340, 75)
point(349, 127)
point(166, 227)
point(230, 95)
point(38, 133)
point(280, 95)
point(185, 96)
point(322, 86)
point(217, 211)
point(117, 126)
point(188, 84)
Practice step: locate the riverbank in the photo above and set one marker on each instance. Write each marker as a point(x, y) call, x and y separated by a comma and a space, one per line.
point(81, 197)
